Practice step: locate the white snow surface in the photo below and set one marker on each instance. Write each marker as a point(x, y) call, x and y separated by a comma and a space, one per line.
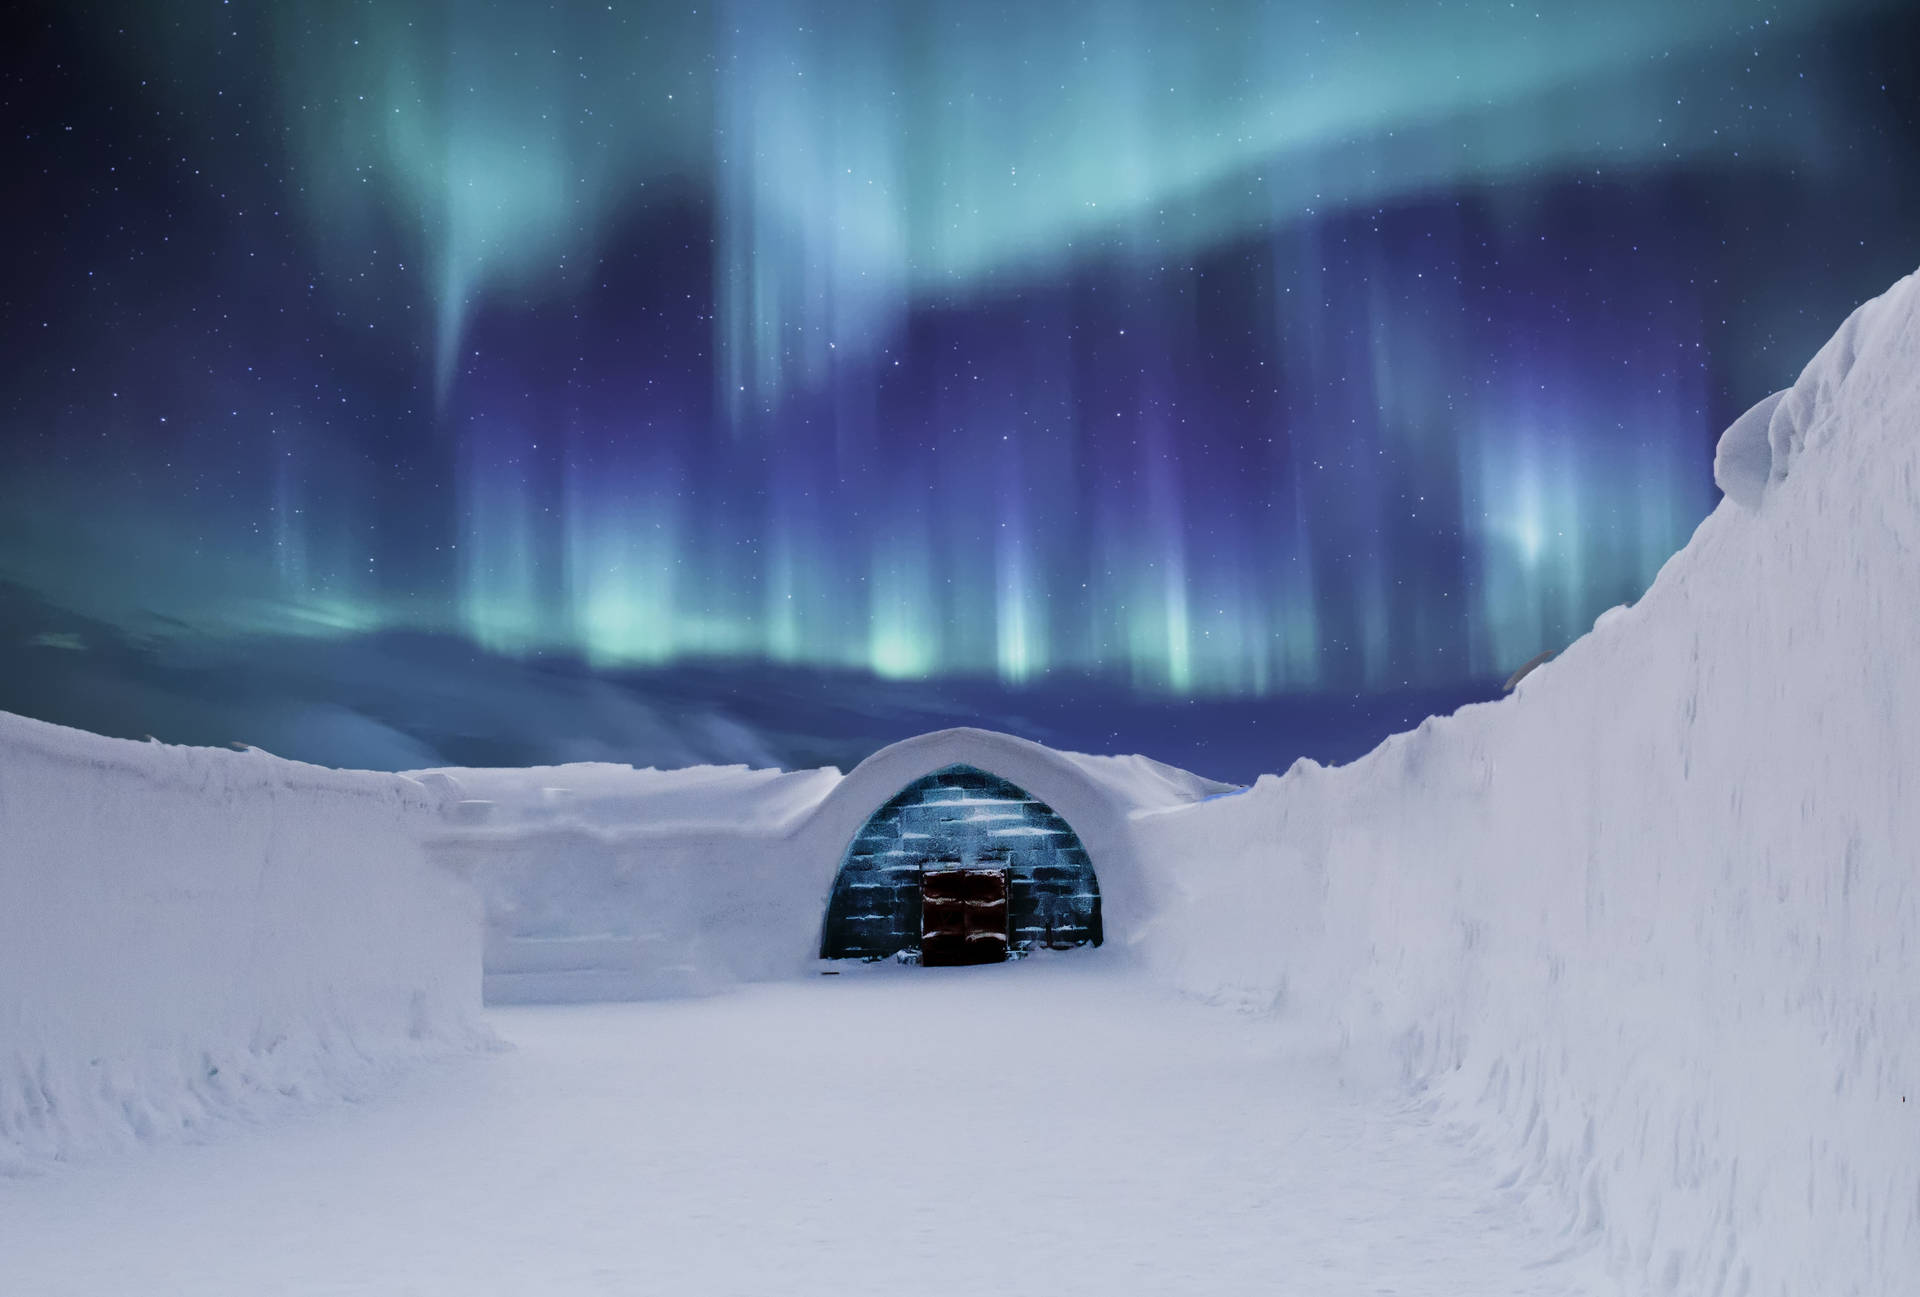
point(641, 802)
point(1651, 926)
point(191, 933)
point(599, 795)
point(1743, 459)
point(1050, 1127)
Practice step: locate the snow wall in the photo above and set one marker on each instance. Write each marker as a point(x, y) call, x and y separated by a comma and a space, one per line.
point(1651, 928)
point(605, 882)
point(190, 932)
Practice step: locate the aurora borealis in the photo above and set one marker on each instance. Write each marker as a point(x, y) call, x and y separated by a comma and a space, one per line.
point(1242, 351)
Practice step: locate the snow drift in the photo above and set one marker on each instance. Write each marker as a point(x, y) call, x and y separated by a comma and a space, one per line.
point(186, 932)
point(1650, 927)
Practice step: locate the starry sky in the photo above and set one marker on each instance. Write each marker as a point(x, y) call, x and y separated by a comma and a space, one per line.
point(388, 383)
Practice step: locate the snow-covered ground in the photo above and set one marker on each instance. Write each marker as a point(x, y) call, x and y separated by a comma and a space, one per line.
point(1054, 1126)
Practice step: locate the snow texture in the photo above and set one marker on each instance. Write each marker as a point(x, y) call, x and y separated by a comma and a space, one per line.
point(1040, 1129)
point(187, 933)
point(1743, 459)
point(1650, 928)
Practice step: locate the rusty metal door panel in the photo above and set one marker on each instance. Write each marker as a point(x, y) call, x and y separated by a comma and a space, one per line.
point(963, 916)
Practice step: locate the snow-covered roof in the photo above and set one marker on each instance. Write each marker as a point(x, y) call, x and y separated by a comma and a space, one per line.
point(1097, 796)
point(619, 801)
point(758, 850)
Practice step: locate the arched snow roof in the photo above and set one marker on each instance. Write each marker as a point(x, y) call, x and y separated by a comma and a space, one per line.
point(1095, 795)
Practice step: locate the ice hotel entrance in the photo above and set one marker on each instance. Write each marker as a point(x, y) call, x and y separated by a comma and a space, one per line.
point(962, 866)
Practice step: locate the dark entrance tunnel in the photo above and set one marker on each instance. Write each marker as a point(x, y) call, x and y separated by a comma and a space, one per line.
point(962, 825)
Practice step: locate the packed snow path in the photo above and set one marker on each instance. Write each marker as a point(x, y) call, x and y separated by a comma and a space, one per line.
point(1046, 1127)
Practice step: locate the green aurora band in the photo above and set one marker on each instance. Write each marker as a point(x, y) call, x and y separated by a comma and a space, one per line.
point(863, 166)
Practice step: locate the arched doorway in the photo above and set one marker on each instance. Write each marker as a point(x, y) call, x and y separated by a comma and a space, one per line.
point(931, 866)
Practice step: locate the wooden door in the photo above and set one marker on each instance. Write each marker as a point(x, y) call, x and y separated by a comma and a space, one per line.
point(963, 916)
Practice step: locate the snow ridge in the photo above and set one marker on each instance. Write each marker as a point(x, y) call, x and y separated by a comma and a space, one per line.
point(191, 934)
point(1650, 928)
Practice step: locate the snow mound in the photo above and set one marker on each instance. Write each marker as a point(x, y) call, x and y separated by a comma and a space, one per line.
point(190, 933)
point(1650, 928)
point(1743, 457)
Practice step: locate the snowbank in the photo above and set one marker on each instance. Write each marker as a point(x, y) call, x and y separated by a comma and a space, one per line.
point(604, 882)
point(1651, 927)
point(186, 932)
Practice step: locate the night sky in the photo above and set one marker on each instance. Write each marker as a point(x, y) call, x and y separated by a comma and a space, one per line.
point(395, 383)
